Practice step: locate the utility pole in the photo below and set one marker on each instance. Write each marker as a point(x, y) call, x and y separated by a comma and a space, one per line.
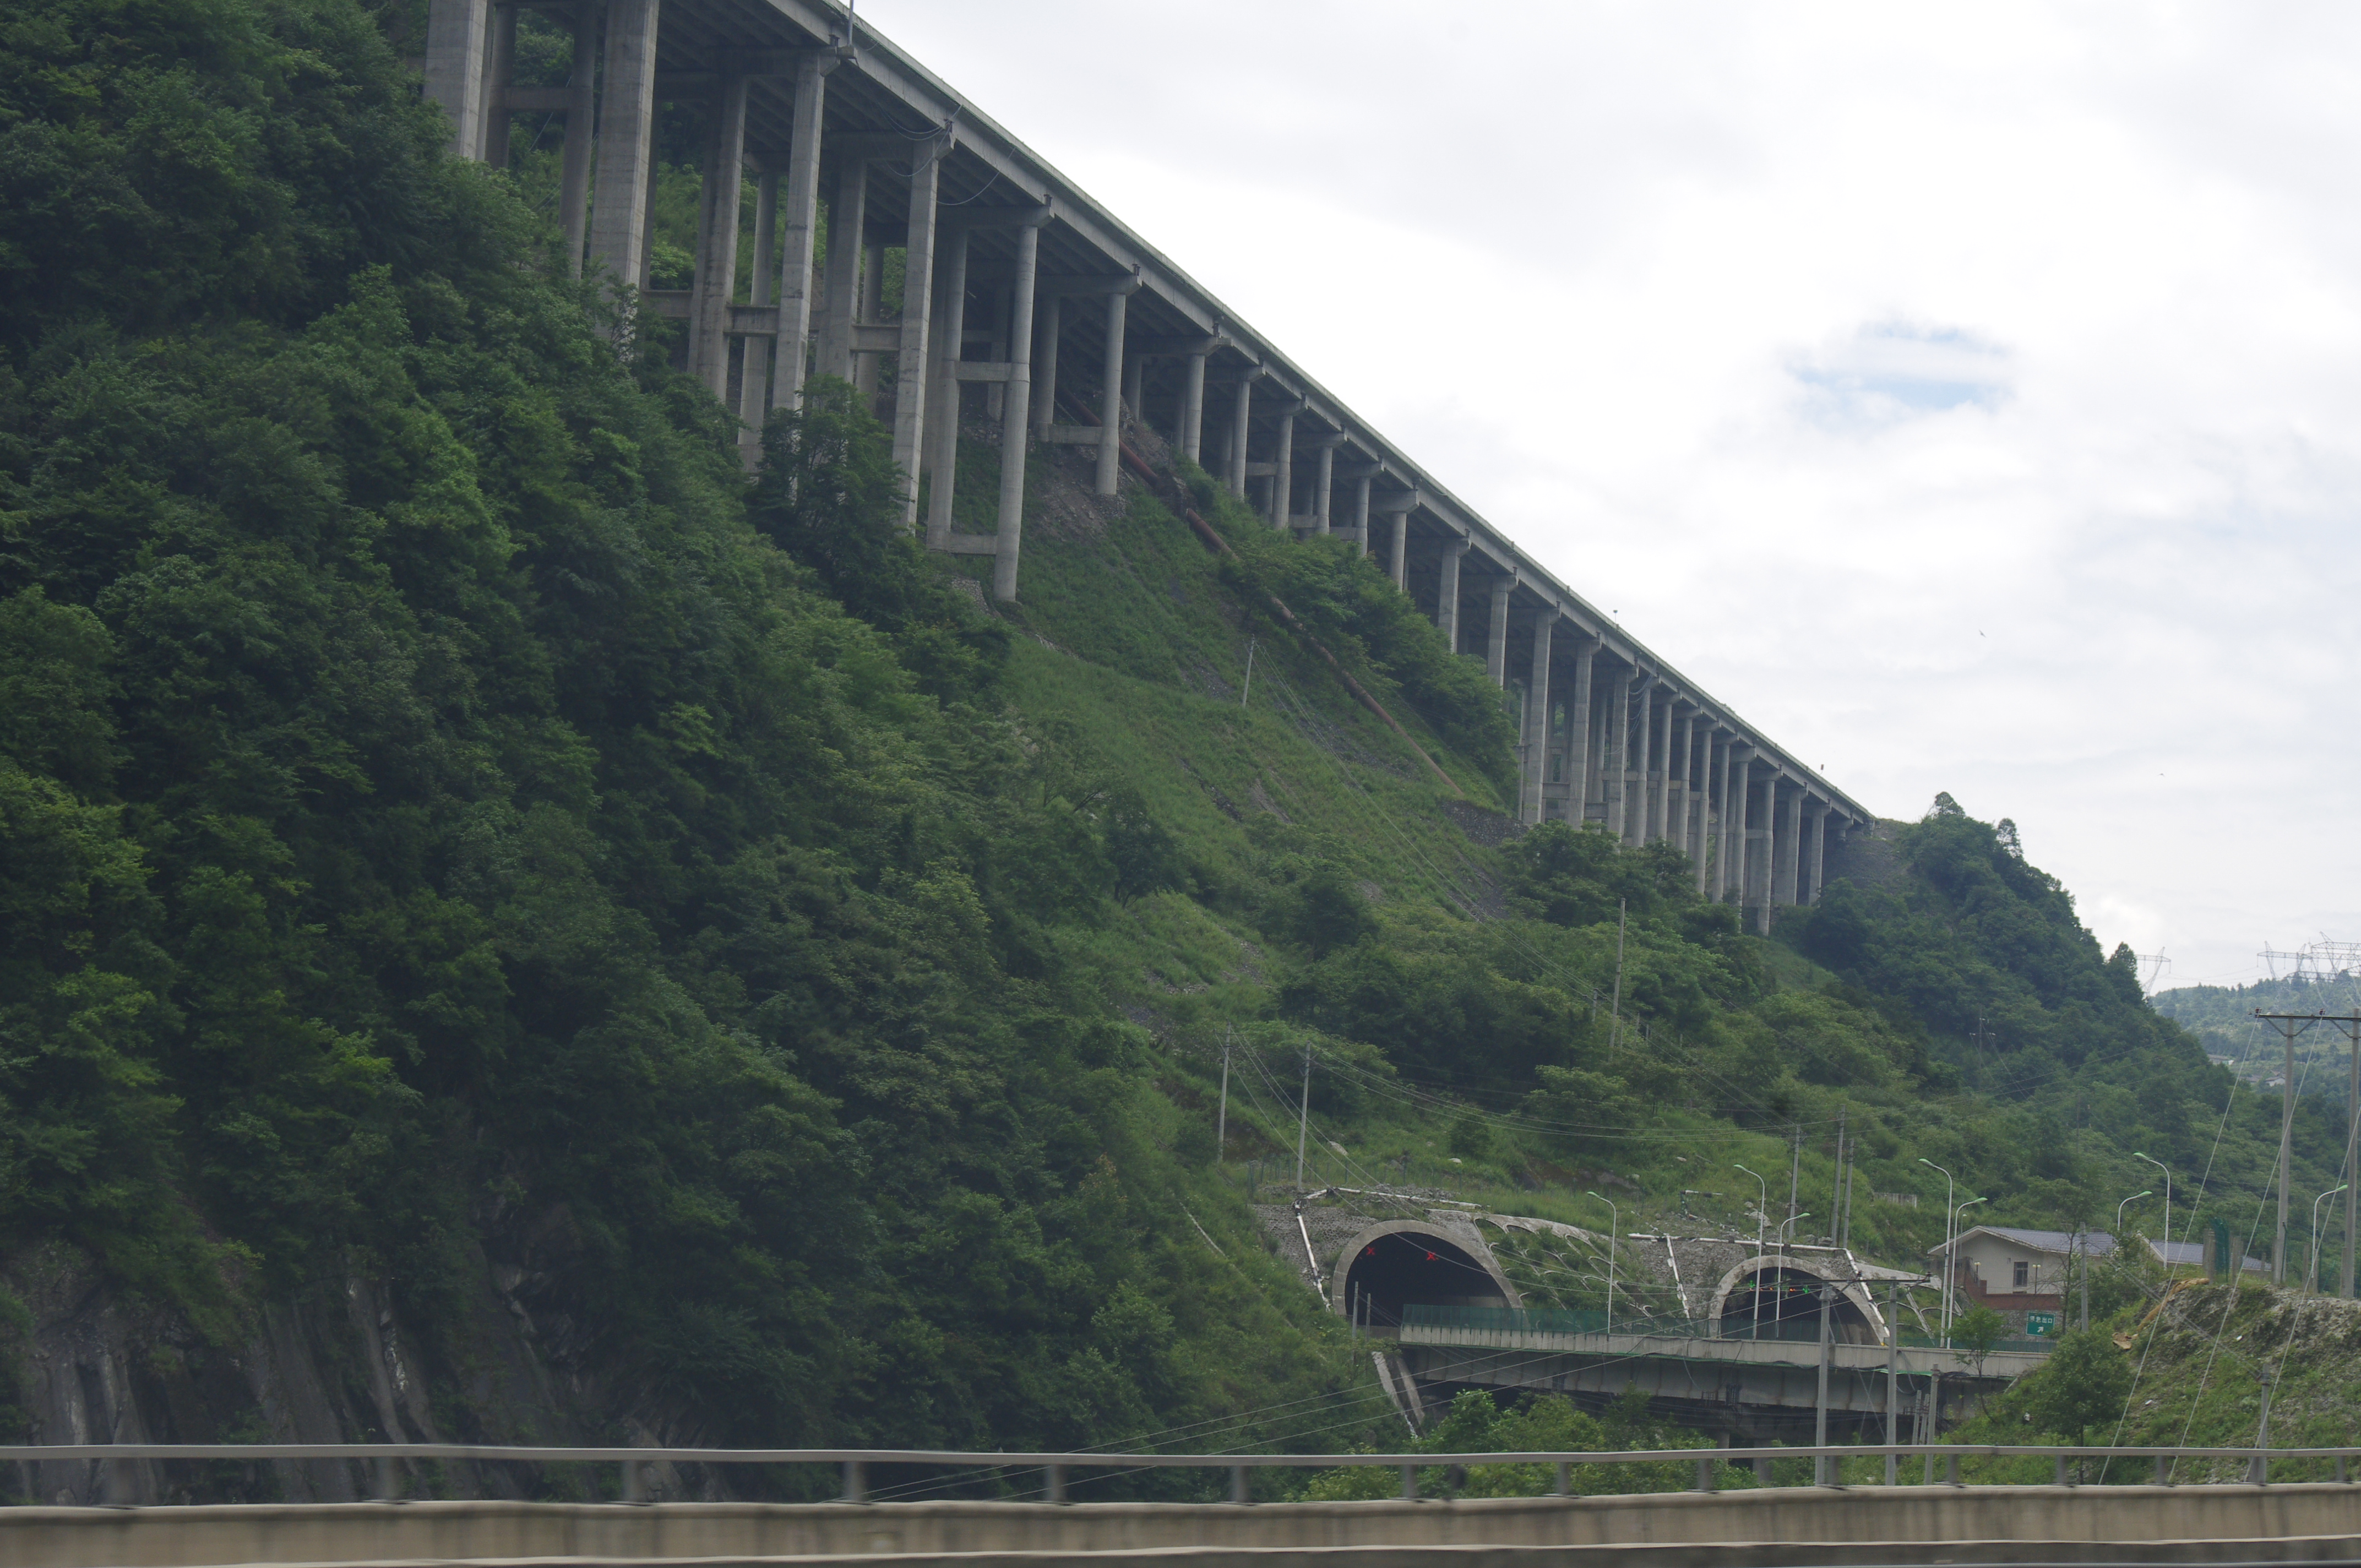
point(2291, 1024)
point(1614, 1223)
point(1222, 1120)
point(1835, 1193)
point(1794, 1179)
point(2352, 1027)
point(1820, 1412)
point(2165, 1240)
point(1303, 1119)
point(1893, 1375)
point(1247, 689)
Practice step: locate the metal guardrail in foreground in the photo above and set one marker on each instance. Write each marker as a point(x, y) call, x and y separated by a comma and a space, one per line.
point(855, 1462)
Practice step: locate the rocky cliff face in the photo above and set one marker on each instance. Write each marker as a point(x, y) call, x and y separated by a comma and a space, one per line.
point(332, 1364)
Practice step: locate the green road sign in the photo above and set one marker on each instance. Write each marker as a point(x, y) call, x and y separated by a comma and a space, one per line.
point(2041, 1325)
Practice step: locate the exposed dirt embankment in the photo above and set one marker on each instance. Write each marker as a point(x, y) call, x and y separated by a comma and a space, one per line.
point(2199, 1359)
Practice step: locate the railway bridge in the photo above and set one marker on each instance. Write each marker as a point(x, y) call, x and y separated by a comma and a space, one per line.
point(1030, 305)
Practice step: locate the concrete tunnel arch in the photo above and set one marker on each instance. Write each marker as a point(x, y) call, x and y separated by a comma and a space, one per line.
point(1783, 1291)
point(1400, 1262)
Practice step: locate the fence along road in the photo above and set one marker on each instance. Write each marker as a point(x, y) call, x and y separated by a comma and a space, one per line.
point(2246, 1521)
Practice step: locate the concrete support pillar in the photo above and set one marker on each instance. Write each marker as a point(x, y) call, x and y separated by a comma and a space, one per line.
point(1134, 390)
point(1693, 827)
point(910, 387)
point(1788, 839)
point(458, 33)
point(1812, 849)
point(1614, 759)
point(1677, 739)
point(1052, 317)
point(995, 394)
point(1361, 520)
point(1446, 599)
point(754, 357)
point(1734, 854)
point(1537, 707)
point(1323, 483)
point(1496, 642)
point(499, 67)
point(869, 310)
point(1820, 854)
point(1399, 568)
point(1663, 808)
point(1193, 408)
point(1636, 823)
point(1715, 863)
point(1762, 852)
point(1282, 475)
point(645, 279)
point(627, 114)
point(800, 233)
point(848, 215)
point(1118, 306)
point(942, 471)
point(581, 123)
point(1240, 413)
point(1016, 414)
point(1701, 806)
point(715, 283)
point(1578, 733)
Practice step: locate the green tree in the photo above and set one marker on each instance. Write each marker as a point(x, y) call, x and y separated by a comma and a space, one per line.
point(1974, 1332)
point(2082, 1385)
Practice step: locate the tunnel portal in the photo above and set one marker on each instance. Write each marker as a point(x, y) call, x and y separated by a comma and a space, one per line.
point(1779, 1303)
point(1403, 1269)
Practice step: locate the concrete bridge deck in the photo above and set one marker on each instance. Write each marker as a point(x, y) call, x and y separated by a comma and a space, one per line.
point(1020, 283)
point(1772, 1529)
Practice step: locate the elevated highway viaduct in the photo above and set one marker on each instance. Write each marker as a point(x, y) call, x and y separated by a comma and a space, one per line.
point(1034, 299)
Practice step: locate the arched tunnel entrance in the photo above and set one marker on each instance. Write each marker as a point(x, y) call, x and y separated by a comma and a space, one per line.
point(1778, 1302)
point(1406, 1267)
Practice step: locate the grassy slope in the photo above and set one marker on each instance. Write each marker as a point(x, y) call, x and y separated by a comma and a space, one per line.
point(1137, 654)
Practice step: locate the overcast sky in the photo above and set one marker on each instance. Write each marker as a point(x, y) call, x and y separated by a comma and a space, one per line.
point(1969, 395)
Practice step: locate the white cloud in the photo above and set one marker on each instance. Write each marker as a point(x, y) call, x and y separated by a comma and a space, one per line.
point(1972, 397)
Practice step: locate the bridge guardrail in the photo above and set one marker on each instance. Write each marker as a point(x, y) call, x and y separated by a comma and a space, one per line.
point(855, 1462)
point(1510, 1321)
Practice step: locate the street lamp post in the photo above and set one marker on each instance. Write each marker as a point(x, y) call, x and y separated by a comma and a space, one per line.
point(1614, 1223)
point(1784, 1227)
point(1949, 1263)
point(2168, 1203)
point(1956, 1231)
point(1761, 1218)
point(2311, 1274)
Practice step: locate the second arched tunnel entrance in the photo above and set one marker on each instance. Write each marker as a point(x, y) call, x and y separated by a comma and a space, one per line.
point(1781, 1303)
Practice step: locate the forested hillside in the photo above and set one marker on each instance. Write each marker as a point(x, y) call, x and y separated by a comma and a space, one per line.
point(466, 846)
point(2223, 1016)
